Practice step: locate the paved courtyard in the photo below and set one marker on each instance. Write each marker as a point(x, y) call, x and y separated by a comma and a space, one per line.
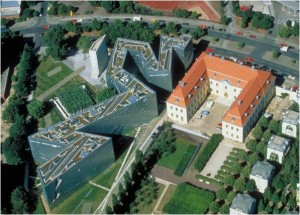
point(219, 156)
point(208, 124)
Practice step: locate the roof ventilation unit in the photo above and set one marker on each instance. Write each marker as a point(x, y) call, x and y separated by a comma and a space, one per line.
point(240, 102)
point(182, 84)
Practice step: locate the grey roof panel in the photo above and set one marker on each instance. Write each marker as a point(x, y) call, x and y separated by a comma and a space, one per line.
point(262, 169)
point(243, 203)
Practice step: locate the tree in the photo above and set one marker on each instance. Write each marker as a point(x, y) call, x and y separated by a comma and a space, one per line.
point(267, 194)
point(53, 8)
point(295, 29)
point(294, 107)
point(96, 25)
point(240, 184)
point(95, 3)
point(214, 207)
point(13, 109)
point(198, 32)
point(288, 23)
point(84, 43)
point(255, 22)
point(230, 196)
point(115, 203)
point(36, 109)
point(54, 39)
point(268, 209)
point(215, 39)
point(229, 180)
point(261, 206)
point(18, 128)
point(250, 185)
point(109, 210)
point(246, 171)
point(19, 201)
point(241, 44)
point(267, 135)
point(73, 27)
point(275, 54)
point(244, 22)
point(105, 93)
point(274, 126)
point(221, 194)
point(266, 22)
point(109, 6)
point(263, 122)
point(62, 9)
point(284, 32)
point(224, 20)
point(253, 158)
point(13, 149)
point(257, 133)
point(275, 198)
point(278, 182)
point(224, 209)
point(171, 28)
point(251, 145)
point(292, 202)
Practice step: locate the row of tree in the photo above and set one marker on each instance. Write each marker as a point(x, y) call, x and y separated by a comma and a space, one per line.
point(257, 19)
point(130, 191)
point(122, 7)
point(185, 13)
point(60, 8)
point(288, 30)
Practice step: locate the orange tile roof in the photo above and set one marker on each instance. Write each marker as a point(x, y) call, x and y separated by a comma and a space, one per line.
point(252, 81)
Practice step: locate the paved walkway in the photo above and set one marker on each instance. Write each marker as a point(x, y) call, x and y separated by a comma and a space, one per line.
point(45, 204)
point(160, 198)
point(60, 84)
point(167, 175)
point(100, 186)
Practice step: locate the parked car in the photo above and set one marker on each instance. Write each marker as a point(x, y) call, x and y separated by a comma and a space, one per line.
point(252, 36)
point(185, 23)
point(202, 26)
point(248, 63)
point(210, 27)
point(291, 77)
point(239, 33)
point(265, 68)
point(205, 112)
point(256, 65)
point(127, 19)
point(222, 29)
point(46, 27)
point(234, 59)
point(274, 71)
point(270, 32)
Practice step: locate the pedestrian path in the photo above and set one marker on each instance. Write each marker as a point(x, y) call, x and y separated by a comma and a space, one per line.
point(100, 186)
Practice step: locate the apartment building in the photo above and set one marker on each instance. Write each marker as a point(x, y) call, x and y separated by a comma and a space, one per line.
point(290, 123)
point(250, 90)
point(262, 173)
point(277, 148)
point(243, 204)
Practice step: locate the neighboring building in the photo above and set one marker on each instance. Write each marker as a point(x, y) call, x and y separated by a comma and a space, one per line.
point(291, 5)
point(5, 84)
point(262, 173)
point(74, 150)
point(99, 57)
point(277, 148)
point(259, 6)
point(249, 88)
point(290, 123)
point(10, 8)
point(243, 204)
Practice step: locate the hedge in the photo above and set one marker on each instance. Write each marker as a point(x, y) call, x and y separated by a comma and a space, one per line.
point(232, 159)
point(238, 150)
point(226, 168)
point(209, 149)
point(188, 199)
point(185, 160)
point(210, 180)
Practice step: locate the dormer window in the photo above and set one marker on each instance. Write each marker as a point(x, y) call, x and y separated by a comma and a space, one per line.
point(257, 97)
point(252, 105)
point(215, 74)
point(239, 82)
point(268, 82)
point(190, 95)
point(201, 79)
point(182, 84)
point(232, 119)
point(177, 100)
point(196, 87)
point(246, 114)
point(240, 102)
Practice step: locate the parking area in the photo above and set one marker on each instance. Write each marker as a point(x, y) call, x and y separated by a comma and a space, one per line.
point(209, 123)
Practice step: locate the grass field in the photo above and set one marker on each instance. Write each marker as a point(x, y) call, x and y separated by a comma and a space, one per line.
point(148, 208)
point(43, 81)
point(188, 199)
point(171, 161)
point(167, 196)
point(73, 204)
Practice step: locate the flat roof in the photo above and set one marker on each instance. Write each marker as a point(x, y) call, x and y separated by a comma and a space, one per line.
point(278, 143)
point(292, 117)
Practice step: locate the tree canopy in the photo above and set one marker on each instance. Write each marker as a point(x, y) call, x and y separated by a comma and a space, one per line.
point(14, 108)
point(19, 201)
point(54, 39)
point(18, 128)
point(13, 149)
point(105, 93)
point(36, 109)
point(84, 43)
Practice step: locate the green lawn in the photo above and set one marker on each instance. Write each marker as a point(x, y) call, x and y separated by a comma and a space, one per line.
point(171, 161)
point(39, 207)
point(43, 81)
point(188, 199)
point(73, 204)
point(55, 116)
point(148, 208)
point(107, 177)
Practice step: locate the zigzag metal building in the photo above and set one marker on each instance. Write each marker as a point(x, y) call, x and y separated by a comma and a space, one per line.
point(73, 151)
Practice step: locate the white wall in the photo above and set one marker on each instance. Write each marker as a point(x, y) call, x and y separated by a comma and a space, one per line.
point(278, 153)
point(261, 184)
point(289, 129)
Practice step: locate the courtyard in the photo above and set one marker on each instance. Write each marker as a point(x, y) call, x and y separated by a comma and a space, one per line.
point(209, 124)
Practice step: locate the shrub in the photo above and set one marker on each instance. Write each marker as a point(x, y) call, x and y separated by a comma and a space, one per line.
point(251, 145)
point(241, 45)
point(257, 133)
point(184, 161)
point(275, 54)
point(208, 151)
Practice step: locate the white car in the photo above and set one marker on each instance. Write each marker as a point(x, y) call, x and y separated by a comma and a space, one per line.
point(234, 59)
point(291, 77)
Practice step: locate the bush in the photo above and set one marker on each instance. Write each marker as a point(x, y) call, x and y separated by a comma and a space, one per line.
point(251, 145)
point(188, 199)
point(210, 147)
point(210, 180)
point(241, 45)
point(185, 160)
point(257, 133)
point(275, 54)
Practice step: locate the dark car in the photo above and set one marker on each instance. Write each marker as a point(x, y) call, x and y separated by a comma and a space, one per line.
point(161, 21)
point(222, 29)
point(42, 11)
point(248, 63)
point(256, 65)
point(185, 23)
point(210, 27)
point(127, 19)
point(105, 19)
point(270, 32)
point(264, 68)
point(274, 71)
